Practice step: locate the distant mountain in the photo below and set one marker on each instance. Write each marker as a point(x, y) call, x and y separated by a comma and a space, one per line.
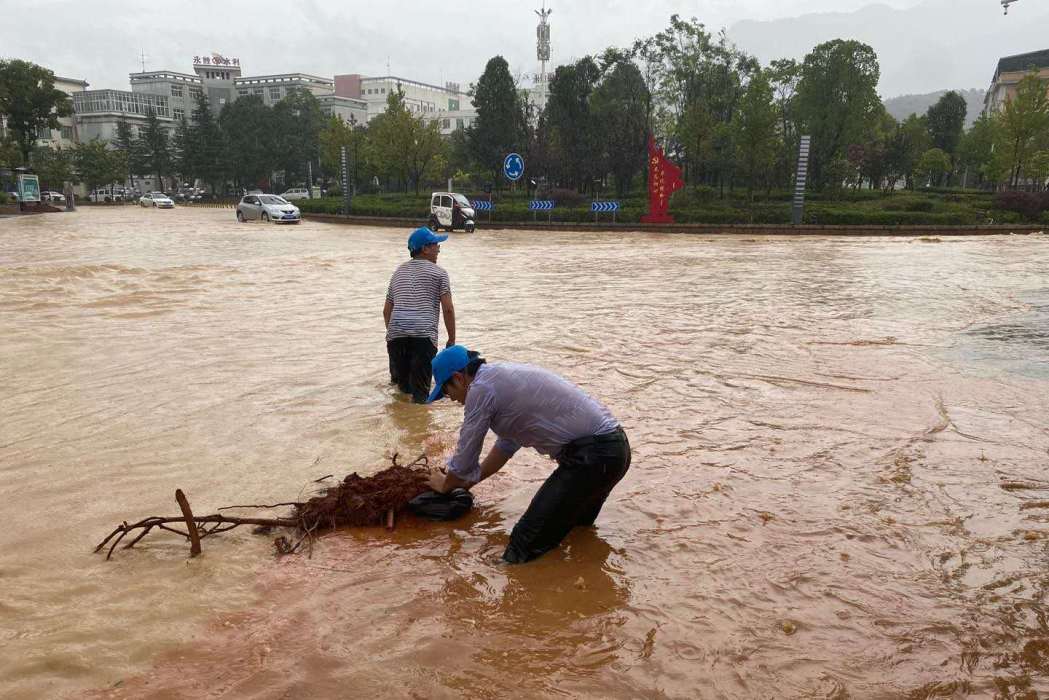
point(905, 105)
point(920, 49)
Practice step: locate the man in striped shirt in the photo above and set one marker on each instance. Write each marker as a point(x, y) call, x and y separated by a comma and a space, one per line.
point(528, 406)
point(418, 289)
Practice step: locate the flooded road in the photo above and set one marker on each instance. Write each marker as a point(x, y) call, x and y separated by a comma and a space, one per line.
point(839, 484)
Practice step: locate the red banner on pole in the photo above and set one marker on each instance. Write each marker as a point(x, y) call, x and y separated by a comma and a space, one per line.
point(664, 179)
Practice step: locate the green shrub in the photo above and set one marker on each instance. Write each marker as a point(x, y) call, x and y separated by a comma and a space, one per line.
point(1005, 217)
point(840, 216)
point(565, 197)
point(699, 205)
point(1030, 205)
point(909, 204)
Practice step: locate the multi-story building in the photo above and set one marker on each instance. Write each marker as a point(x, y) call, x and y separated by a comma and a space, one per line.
point(449, 104)
point(172, 96)
point(67, 133)
point(1010, 71)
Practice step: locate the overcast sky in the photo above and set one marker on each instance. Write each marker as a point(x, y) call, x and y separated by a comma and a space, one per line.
point(101, 40)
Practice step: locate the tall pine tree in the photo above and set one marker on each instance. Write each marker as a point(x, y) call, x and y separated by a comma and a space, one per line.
point(154, 148)
point(499, 128)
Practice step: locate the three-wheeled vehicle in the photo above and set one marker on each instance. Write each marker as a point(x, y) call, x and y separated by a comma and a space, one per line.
point(450, 210)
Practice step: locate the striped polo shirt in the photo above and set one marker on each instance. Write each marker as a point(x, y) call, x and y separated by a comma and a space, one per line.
point(415, 291)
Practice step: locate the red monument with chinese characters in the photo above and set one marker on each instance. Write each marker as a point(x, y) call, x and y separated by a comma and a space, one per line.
point(664, 179)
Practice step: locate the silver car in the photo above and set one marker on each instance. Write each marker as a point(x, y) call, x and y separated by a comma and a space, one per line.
point(267, 207)
point(158, 200)
point(296, 193)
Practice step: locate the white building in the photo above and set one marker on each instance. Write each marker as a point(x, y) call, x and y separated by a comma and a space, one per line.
point(449, 105)
point(173, 96)
point(1008, 74)
point(67, 133)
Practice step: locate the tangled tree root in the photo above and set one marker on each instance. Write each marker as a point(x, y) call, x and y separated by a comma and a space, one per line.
point(355, 501)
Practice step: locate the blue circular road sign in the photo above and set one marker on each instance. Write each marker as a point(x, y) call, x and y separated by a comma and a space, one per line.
point(513, 167)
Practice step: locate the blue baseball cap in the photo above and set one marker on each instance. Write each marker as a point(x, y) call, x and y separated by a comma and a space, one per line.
point(423, 237)
point(446, 363)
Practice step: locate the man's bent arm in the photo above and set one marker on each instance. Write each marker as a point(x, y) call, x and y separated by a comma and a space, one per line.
point(495, 461)
point(387, 312)
point(449, 317)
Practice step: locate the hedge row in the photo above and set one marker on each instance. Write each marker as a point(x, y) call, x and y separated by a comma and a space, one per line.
point(899, 209)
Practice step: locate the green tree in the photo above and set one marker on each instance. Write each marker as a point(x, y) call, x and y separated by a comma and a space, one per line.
point(1024, 127)
point(154, 148)
point(933, 165)
point(946, 120)
point(182, 152)
point(1038, 167)
point(126, 143)
point(10, 154)
point(297, 121)
point(908, 144)
point(976, 149)
point(54, 166)
point(872, 158)
point(574, 137)
point(337, 132)
point(620, 106)
point(500, 125)
point(699, 82)
point(837, 98)
point(754, 128)
point(30, 102)
point(248, 127)
point(784, 75)
point(208, 157)
point(98, 165)
point(404, 143)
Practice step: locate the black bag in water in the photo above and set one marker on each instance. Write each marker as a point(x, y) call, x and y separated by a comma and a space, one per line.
point(442, 506)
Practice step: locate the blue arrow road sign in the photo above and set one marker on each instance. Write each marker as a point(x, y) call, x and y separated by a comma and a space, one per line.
point(481, 205)
point(513, 167)
point(541, 205)
point(604, 206)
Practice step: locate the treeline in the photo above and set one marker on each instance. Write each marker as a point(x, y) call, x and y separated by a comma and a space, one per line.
point(728, 121)
point(248, 144)
point(731, 123)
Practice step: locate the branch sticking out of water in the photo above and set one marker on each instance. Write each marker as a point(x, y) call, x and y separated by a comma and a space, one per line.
point(355, 501)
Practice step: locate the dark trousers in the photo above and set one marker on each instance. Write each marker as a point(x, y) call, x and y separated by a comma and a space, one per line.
point(587, 470)
point(410, 365)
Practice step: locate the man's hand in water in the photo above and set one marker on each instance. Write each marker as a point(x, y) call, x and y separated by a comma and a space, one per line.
point(443, 482)
point(437, 481)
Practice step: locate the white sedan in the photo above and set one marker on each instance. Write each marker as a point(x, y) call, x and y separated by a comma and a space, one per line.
point(156, 199)
point(267, 207)
point(296, 193)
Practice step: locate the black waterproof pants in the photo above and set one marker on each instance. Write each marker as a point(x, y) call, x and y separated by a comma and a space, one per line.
point(410, 365)
point(587, 470)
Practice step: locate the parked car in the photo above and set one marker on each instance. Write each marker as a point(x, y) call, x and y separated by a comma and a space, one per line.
point(267, 207)
point(51, 196)
point(451, 211)
point(106, 194)
point(158, 200)
point(296, 193)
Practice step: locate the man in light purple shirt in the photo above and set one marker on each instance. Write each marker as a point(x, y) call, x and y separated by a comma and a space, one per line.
point(527, 406)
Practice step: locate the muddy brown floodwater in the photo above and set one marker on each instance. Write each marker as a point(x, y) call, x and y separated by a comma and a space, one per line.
point(839, 484)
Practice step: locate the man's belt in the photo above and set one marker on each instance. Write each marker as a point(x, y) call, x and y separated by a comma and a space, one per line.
point(615, 436)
